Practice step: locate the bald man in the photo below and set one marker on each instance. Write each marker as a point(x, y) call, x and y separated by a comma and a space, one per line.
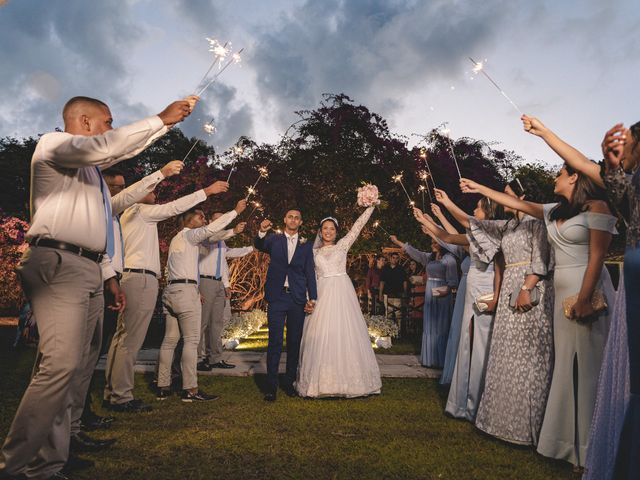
point(61, 271)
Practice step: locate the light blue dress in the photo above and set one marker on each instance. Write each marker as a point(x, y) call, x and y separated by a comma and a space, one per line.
point(612, 397)
point(578, 347)
point(437, 310)
point(467, 383)
point(458, 309)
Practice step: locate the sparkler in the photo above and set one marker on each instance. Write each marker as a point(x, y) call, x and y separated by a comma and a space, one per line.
point(250, 191)
point(444, 130)
point(235, 58)
point(478, 67)
point(423, 155)
point(209, 128)
point(398, 179)
point(256, 206)
point(237, 150)
point(219, 53)
point(376, 224)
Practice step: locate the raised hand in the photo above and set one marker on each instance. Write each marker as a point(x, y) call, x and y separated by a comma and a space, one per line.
point(240, 207)
point(216, 187)
point(175, 112)
point(441, 196)
point(533, 126)
point(469, 186)
point(436, 210)
point(239, 228)
point(613, 145)
point(395, 240)
point(192, 100)
point(265, 225)
point(417, 213)
point(174, 167)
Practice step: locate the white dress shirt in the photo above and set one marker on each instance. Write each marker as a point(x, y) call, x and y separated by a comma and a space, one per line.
point(119, 203)
point(209, 258)
point(66, 196)
point(140, 230)
point(184, 249)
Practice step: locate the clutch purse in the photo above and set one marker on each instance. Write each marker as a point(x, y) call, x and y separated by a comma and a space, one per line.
point(481, 301)
point(598, 302)
point(439, 291)
point(534, 294)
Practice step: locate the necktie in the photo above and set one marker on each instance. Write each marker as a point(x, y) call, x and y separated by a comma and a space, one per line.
point(219, 259)
point(106, 201)
point(117, 217)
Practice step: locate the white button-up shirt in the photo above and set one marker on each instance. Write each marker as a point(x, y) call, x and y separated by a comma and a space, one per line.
point(140, 230)
point(66, 197)
point(184, 249)
point(209, 258)
point(119, 203)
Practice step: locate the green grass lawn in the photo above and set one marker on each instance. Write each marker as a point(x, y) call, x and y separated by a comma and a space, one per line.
point(402, 434)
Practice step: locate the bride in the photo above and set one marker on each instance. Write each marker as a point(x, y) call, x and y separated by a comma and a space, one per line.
point(336, 358)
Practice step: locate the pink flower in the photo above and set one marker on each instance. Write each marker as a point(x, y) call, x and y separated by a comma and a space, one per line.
point(368, 195)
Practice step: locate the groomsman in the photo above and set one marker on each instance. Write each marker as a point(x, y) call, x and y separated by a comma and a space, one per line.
point(140, 282)
point(215, 289)
point(181, 300)
point(121, 199)
point(60, 272)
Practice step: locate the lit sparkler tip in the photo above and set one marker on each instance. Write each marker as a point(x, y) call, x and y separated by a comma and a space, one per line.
point(397, 178)
point(412, 203)
point(209, 128)
point(423, 152)
point(421, 188)
point(236, 57)
point(263, 172)
point(251, 190)
point(376, 224)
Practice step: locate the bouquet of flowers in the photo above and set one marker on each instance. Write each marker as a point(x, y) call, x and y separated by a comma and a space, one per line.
point(368, 195)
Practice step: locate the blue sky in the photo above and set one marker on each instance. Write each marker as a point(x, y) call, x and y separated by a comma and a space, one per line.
point(572, 64)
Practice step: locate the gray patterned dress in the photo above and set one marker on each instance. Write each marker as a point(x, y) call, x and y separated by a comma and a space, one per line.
point(521, 351)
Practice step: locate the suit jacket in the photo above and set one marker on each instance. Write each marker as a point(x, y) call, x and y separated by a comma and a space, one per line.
point(301, 271)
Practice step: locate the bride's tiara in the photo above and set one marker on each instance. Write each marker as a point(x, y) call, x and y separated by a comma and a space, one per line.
point(329, 218)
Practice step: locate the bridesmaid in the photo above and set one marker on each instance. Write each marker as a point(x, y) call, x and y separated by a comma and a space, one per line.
point(521, 351)
point(461, 254)
point(580, 227)
point(620, 174)
point(442, 274)
point(473, 348)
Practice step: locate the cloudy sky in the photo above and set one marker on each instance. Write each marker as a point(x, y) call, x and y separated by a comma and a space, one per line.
point(574, 64)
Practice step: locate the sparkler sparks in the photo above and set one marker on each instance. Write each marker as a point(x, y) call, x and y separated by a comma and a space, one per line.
point(398, 179)
point(444, 130)
point(478, 67)
point(209, 128)
point(237, 151)
point(376, 224)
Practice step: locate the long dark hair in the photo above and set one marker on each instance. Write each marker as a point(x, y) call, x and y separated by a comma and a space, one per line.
point(584, 191)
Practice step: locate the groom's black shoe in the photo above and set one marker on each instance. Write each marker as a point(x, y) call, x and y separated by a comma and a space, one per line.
point(290, 391)
point(270, 397)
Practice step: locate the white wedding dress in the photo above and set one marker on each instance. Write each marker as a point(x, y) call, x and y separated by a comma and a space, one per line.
point(336, 357)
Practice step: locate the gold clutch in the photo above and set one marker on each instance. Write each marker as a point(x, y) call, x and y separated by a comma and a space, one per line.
point(598, 302)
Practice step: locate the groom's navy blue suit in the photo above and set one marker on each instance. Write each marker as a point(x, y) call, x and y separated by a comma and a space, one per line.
point(286, 305)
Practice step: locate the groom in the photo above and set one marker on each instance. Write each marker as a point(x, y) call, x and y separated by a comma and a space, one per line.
point(290, 291)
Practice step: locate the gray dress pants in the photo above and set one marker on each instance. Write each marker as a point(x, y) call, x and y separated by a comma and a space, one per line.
point(213, 294)
point(141, 291)
point(65, 291)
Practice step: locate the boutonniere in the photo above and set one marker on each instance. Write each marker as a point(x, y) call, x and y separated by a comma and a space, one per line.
point(302, 240)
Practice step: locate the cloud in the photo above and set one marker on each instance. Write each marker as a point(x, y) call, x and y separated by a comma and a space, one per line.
point(232, 117)
point(59, 50)
point(372, 50)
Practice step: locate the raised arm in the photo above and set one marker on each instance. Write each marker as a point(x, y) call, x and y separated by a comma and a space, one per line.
point(437, 211)
point(158, 213)
point(434, 230)
point(136, 192)
point(262, 241)
point(460, 215)
point(531, 208)
point(350, 238)
point(199, 235)
point(574, 158)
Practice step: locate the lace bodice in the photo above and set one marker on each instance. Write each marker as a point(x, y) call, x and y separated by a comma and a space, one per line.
point(332, 260)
